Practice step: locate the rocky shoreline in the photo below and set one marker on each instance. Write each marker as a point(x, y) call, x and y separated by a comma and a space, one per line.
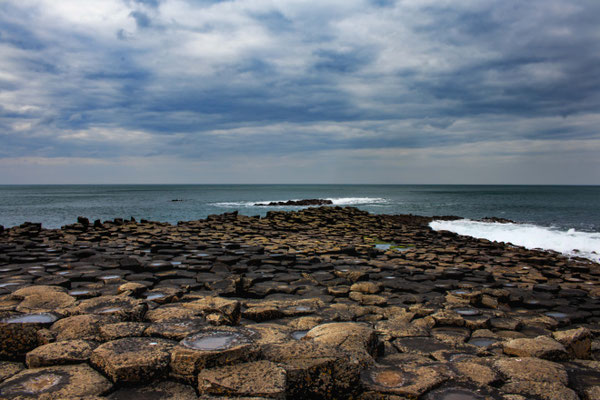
point(322, 303)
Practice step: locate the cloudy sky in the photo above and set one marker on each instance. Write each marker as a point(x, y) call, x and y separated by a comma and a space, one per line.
point(334, 91)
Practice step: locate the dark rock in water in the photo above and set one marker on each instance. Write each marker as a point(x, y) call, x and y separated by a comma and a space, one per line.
point(174, 200)
point(497, 220)
point(306, 202)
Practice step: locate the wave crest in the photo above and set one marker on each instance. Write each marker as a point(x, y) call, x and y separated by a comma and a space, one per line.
point(570, 243)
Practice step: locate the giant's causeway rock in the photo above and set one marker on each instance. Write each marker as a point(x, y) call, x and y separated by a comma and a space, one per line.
point(322, 303)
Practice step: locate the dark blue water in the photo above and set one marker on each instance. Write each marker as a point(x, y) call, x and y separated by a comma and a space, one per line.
point(562, 207)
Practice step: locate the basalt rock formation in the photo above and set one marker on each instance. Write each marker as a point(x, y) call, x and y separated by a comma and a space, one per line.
point(307, 202)
point(300, 305)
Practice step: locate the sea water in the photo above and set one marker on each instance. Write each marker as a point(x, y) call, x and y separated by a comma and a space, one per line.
point(562, 218)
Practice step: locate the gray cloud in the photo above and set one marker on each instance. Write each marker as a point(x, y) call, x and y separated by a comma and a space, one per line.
point(208, 80)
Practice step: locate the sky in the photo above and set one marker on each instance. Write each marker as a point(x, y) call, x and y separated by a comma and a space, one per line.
point(287, 91)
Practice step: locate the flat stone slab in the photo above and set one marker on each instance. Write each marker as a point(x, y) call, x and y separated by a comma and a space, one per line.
point(62, 382)
point(351, 336)
point(120, 306)
point(254, 379)
point(133, 360)
point(532, 369)
point(539, 347)
point(314, 369)
point(578, 342)
point(8, 369)
point(85, 327)
point(176, 329)
point(120, 330)
point(541, 390)
point(65, 352)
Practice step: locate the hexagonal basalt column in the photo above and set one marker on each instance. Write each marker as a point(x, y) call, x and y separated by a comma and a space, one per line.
point(64, 382)
point(18, 333)
point(122, 307)
point(66, 352)
point(262, 379)
point(133, 359)
point(212, 347)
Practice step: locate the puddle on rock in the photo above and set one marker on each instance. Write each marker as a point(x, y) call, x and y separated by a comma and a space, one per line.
point(3, 285)
point(298, 334)
point(109, 277)
point(109, 310)
point(482, 342)
point(78, 292)
point(467, 311)
point(302, 308)
point(215, 340)
point(154, 296)
point(556, 315)
point(41, 318)
point(460, 292)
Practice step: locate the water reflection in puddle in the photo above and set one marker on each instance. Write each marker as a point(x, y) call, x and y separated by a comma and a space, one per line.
point(42, 318)
point(298, 334)
point(482, 342)
point(215, 341)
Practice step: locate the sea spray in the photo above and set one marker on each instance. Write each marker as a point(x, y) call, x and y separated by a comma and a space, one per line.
point(570, 242)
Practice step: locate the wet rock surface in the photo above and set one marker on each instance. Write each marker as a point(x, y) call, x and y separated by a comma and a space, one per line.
point(304, 304)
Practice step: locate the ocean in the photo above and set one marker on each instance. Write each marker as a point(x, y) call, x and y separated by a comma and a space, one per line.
point(561, 218)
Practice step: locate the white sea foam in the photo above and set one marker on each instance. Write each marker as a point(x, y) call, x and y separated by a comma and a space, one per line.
point(337, 201)
point(571, 242)
point(348, 201)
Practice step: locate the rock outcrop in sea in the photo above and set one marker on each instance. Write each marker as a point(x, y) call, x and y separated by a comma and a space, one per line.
point(306, 202)
point(322, 303)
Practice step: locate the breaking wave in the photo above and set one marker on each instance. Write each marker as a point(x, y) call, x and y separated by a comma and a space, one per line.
point(337, 201)
point(570, 243)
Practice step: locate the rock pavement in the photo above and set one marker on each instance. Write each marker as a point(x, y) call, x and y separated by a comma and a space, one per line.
point(321, 303)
